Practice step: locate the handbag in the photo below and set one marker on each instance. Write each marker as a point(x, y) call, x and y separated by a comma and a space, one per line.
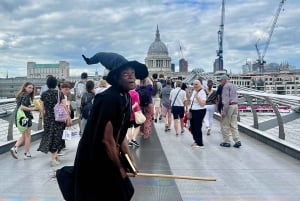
point(60, 112)
point(69, 133)
point(190, 116)
point(139, 117)
point(22, 120)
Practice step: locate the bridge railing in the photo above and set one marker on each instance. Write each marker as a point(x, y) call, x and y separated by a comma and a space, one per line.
point(249, 94)
point(9, 132)
point(8, 129)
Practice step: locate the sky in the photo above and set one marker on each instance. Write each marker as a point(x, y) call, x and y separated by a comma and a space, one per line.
point(50, 31)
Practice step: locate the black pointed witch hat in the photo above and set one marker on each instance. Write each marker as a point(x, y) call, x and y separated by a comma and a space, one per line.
point(115, 62)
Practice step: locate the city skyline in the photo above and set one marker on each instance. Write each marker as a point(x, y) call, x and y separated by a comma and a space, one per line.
point(50, 31)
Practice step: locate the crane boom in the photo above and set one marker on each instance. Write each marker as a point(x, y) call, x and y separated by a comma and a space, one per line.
point(262, 55)
point(220, 37)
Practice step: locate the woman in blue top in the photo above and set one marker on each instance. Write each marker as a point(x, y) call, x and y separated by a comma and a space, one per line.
point(148, 110)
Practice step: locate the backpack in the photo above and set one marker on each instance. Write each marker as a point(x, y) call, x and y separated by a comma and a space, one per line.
point(144, 98)
point(80, 89)
point(60, 112)
point(154, 88)
point(86, 104)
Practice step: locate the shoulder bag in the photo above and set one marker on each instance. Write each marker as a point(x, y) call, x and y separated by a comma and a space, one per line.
point(190, 116)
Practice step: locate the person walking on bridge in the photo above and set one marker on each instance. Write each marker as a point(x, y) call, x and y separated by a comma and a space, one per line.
point(24, 100)
point(229, 113)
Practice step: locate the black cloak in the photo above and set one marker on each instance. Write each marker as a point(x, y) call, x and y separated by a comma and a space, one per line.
point(96, 175)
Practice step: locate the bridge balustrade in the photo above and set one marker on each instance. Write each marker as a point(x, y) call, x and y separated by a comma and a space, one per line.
point(249, 94)
point(9, 133)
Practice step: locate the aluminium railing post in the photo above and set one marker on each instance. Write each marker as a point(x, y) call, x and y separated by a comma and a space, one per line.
point(255, 118)
point(40, 122)
point(11, 123)
point(279, 118)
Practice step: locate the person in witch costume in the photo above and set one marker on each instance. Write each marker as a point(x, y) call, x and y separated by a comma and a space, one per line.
point(97, 159)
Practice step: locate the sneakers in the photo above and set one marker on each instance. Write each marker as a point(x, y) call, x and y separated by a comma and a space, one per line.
point(166, 128)
point(198, 146)
point(193, 144)
point(54, 163)
point(14, 152)
point(27, 156)
point(134, 143)
point(208, 131)
point(237, 144)
point(225, 144)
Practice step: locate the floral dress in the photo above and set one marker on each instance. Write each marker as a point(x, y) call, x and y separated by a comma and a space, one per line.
point(53, 130)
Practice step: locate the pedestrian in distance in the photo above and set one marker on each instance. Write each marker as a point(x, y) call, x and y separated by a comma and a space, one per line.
point(145, 86)
point(229, 114)
point(178, 101)
point(134, 128)
point(24, 100)
point(198, 100)
point(86, 103)
point(156, 94)
point(103, 143)
point(80, 89)
point(53, 130)
point(166, 106)
point(210, 106)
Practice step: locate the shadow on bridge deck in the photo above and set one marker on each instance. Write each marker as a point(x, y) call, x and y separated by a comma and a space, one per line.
point(253, 172)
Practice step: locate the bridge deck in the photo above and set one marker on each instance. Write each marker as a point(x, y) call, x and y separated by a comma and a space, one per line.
point(253, 172)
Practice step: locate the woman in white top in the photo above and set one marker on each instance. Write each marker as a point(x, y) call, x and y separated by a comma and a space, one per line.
point(198, 110)
point(178, 100)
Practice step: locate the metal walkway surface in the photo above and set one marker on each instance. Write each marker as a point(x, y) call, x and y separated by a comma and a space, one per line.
point(254, 172)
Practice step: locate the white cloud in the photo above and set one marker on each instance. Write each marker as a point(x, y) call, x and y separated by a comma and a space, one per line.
point(50, 31)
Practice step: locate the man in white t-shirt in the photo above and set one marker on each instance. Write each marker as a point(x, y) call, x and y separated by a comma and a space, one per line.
point(156, 93)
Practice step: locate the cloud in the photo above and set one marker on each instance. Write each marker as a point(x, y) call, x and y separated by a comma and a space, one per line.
point(52, 31)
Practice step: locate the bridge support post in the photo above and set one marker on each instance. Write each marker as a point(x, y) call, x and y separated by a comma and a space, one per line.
point(255, 118)
point(10, 135)
point(279, 118)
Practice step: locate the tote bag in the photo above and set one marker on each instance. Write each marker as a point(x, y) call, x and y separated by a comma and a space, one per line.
point(22, 120)
point(139, 117)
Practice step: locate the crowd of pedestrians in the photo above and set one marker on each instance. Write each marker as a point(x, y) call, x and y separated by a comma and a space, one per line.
point(168, 102)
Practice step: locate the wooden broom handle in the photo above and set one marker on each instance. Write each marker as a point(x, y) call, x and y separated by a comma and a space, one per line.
point(163, 175)
point(172, 176)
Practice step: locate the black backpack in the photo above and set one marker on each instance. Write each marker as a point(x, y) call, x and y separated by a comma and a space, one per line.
point(144, 98)
point(154, 88)
point(87, 104)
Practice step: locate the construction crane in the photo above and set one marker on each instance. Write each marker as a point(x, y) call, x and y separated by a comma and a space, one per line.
point(220, 37)
point(183, 65)
point(261, 56)
point(180, 49)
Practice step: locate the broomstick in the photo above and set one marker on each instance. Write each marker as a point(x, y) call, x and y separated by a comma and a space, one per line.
point(132, 172)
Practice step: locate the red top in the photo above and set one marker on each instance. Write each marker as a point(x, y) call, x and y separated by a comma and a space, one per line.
point(134, 99)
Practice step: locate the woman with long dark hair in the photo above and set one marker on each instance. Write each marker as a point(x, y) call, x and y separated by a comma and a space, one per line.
point(24, 100)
